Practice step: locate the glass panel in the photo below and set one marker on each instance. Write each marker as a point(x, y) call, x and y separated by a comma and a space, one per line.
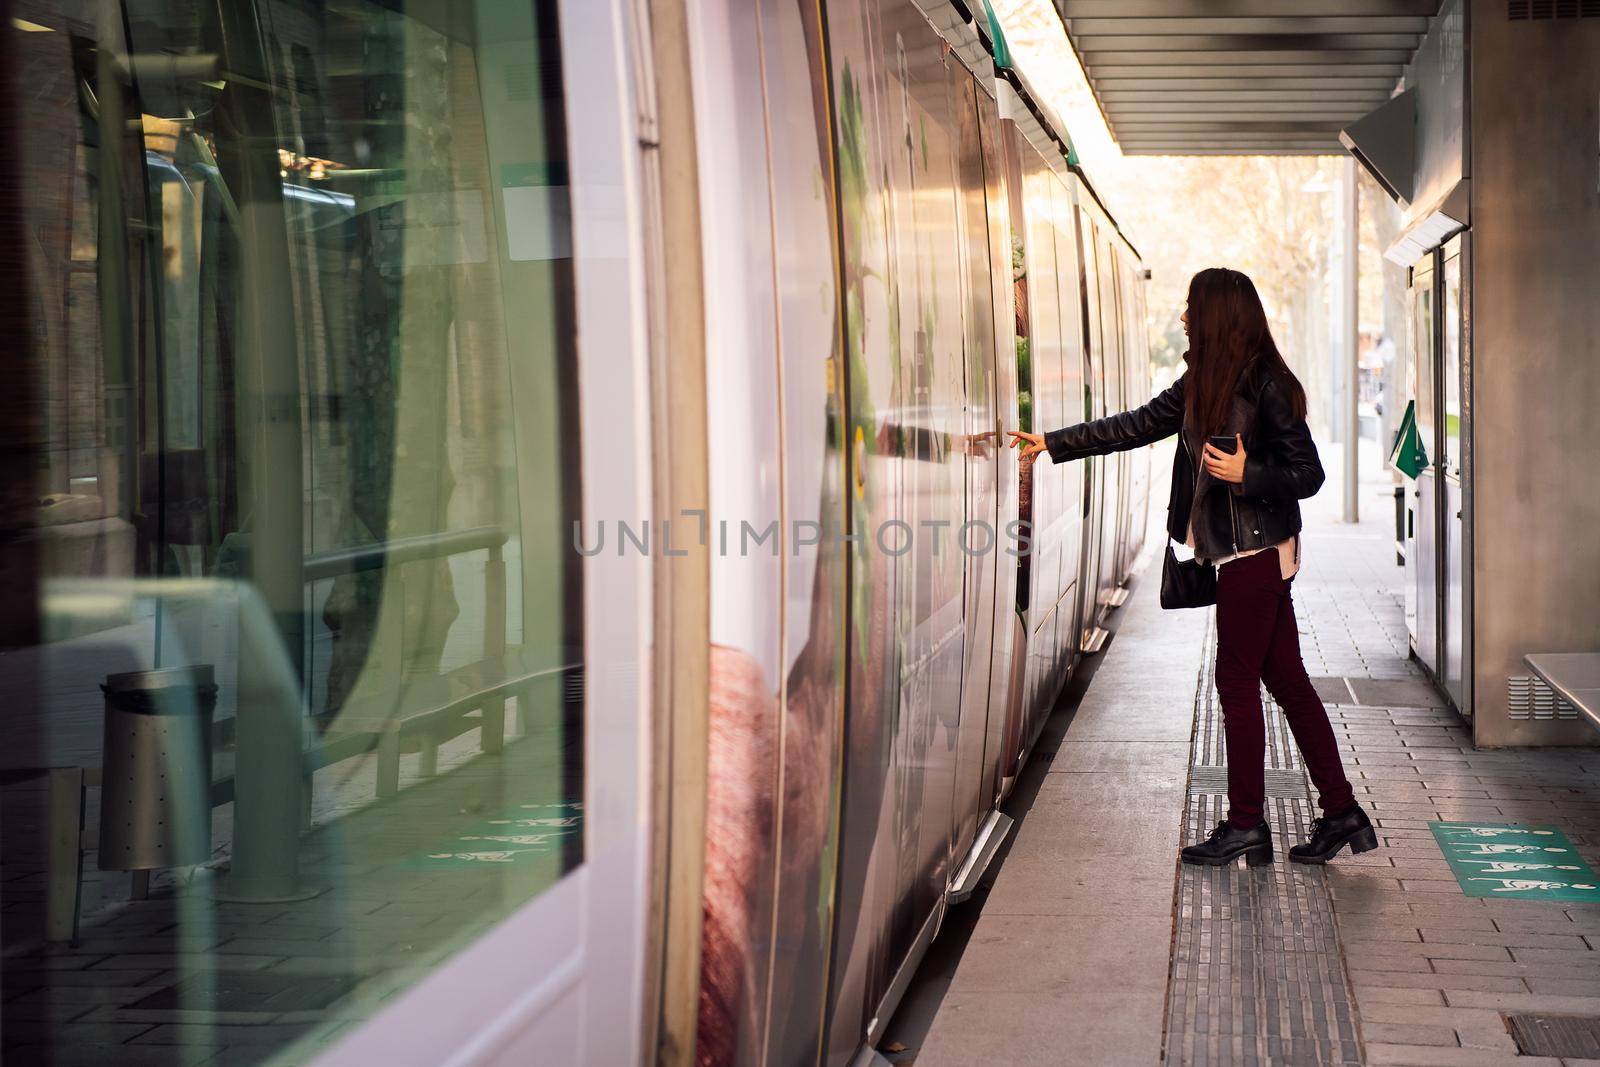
point(306, 623)
point(1451, 358)
point(1426, 361)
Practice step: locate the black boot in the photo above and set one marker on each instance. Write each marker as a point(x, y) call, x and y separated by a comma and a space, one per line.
point(1332, 832)
point(1227, 844)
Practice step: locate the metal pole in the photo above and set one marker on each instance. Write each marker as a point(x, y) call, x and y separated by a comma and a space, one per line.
point(268, 736)
point(1349, 328)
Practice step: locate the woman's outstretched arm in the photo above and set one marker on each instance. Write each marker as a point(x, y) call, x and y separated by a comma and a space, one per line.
point(1161, 417)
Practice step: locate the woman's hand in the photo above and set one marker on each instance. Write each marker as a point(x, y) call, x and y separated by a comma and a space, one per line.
point(1226, 466)
point(1030, 443)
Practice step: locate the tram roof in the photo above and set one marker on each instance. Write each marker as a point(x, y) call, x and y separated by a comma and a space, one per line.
point(1252, 77)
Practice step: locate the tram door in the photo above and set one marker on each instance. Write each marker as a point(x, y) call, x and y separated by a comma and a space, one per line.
point(1422, 590)
point(973, 795)
point(1093, 408)
point(1454, 584)
point(1115, 464)
point(1007, 649)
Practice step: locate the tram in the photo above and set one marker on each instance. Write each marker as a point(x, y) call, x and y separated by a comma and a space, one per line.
point(871, 709)
point(571, 435)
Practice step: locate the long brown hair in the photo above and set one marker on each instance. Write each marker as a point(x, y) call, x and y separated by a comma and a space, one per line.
point(1227, 329)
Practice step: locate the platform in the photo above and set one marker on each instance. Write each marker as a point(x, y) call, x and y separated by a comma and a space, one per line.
point(1093, 945)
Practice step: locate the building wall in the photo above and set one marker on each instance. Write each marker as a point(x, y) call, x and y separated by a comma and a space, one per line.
point(1534, 113)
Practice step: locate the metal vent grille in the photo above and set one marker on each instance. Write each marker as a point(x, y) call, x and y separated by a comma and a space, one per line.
point(1575, 1036)
point(1530, 699)
point(1531, 10)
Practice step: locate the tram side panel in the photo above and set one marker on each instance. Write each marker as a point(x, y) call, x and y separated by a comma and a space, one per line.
point(747, 657)
point(1062, 521)
point(1111, 363)
point(980, 450)
point(1137, 372)
point(933, 402)
point(1019, 695)
point(859, 958)
point(1094, 408)
point(1072, 533)
point(1007, 645)
point(904, 358)
point(801, 842)
point(1045, 359)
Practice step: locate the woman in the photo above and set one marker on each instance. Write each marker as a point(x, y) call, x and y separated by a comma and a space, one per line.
point(1240, 510)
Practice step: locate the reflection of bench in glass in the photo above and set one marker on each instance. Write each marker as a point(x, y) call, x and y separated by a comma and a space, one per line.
point(432, 710)
point(429, 709)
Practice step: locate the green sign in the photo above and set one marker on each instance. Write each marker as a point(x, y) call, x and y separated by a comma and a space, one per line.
point(1519, 862)
point(1407, 454)
point(523, 834)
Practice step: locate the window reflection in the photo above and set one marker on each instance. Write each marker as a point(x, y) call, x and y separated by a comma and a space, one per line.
point(301, 359)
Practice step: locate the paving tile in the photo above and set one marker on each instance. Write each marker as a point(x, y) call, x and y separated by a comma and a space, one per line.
point(1387, 1006)
point(1408, 1035)
point(16, 978)
point(1534, 956)
point(1566, 985)
point(22, 1032)
point(1524, 1002)
point(1446, 982)
point(84, 994)
point(1427, 950)
point(90, 1054)
point(270, 1034)
point(1487, 1037)
point(1433, 1056)
point(1509, 938)
point(1520, 970)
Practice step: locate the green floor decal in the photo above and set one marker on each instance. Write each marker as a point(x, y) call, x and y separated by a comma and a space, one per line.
point(521, 834)
point(1520, 862)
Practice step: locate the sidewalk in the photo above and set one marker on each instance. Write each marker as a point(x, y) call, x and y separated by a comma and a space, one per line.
point(1095, 946)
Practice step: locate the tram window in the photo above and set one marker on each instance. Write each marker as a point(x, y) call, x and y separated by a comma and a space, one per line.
point(302, 368)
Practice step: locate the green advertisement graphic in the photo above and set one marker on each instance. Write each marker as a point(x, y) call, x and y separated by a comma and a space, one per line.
point(1515, 861)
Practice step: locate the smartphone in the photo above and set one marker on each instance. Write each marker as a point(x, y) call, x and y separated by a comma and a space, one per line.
point(1230, 445)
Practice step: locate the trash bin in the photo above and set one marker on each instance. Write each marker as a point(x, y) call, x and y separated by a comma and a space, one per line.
point(155, 793)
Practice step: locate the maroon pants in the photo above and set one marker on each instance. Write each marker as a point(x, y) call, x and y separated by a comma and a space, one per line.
point(1258, 642)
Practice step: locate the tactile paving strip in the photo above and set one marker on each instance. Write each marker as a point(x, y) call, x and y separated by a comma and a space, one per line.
point(1257, 975)
point(1280, 783)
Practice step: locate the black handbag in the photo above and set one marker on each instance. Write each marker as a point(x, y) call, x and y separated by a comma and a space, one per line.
point(1187, 583)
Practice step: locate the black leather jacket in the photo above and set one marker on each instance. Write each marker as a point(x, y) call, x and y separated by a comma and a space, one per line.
point(1281, 465)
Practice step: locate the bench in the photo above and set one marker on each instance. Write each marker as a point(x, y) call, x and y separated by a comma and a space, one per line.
point(1574, 676)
